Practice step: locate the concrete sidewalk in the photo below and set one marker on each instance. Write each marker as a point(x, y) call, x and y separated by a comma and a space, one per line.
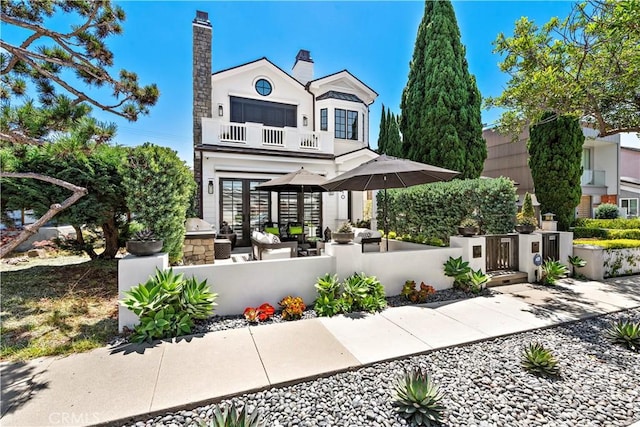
point(106, 385)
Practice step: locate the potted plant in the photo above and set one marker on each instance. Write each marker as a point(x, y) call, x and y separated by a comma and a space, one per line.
point(144, 243)
point(468, 227)
point(344, 234)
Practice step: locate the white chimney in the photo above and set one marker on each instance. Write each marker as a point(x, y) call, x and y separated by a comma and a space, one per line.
point(303, 68)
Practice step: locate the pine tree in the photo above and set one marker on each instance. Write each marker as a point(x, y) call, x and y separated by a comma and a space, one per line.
point(382, 136)
point(555, 156)
point(440, 121)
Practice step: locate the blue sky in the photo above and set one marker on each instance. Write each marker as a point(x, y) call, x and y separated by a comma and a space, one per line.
point(373, 40)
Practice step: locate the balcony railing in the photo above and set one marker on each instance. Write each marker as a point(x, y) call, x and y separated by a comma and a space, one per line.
point(593, 177)
point(260, 136)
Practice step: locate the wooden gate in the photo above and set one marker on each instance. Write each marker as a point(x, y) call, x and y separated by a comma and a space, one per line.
point(502, 252)
point(551, 246)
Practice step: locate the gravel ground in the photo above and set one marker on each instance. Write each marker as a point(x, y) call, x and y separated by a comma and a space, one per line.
point(221, 323)
point(484, 385)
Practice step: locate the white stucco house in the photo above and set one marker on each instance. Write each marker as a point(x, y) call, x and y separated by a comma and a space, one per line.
point(255, 121)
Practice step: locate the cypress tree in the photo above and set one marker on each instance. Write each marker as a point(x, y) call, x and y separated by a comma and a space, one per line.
point(382, 136)
point(440, 105)
point(393, 137)
point(555, 157)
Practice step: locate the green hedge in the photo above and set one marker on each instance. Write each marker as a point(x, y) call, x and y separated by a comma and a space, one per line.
point(610, 244)
point(618, 223)
point(435, 210)
point(604, 233)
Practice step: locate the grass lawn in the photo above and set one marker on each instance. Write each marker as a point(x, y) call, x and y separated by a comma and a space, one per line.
point(57, 309)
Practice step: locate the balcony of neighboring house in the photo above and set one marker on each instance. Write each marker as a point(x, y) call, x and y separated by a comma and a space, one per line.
point(593, 182)
point(259, 136)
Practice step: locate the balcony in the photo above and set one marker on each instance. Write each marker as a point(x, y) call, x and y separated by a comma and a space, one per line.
point(256, 135)
point(593, 177)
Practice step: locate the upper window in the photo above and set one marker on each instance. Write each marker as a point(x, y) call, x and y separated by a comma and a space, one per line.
point(630, 206)
point(263, 87)
point(324, 119)
point(268, 113)
point(346, 124)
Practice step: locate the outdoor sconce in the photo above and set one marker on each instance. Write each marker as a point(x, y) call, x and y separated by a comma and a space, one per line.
point(305, 121)
point(210, 187)
point(220, 110)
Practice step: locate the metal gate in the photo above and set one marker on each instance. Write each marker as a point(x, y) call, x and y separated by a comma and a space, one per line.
point(502, 252)
point(551, 246)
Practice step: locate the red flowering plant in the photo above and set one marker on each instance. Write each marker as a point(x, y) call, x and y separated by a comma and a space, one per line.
point(259, 314)
point(418, 296)
point(292, 307)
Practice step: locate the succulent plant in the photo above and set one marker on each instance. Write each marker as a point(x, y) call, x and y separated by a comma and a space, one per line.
point(469, 222)
point(626, 333)
point(145, 235)
point(539, 361)
point(345, 227)
point(552, 271)
point(418, 399)
point(231, 417)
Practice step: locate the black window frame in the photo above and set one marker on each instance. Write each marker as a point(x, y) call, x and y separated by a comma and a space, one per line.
point(269, 113)
point(260, 88)
point(340, 128)
point(352, 125)
point(324, 119)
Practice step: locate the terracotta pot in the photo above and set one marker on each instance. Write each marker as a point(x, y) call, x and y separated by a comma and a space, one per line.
point(468, 231)
point(525, 229)
point(144, 248)
point(342, 238)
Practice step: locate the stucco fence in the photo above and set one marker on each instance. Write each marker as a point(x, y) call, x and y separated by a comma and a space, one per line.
point(603, 263)
point(249, 284)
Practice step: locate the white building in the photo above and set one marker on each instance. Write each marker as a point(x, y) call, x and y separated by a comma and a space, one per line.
point(254, 122)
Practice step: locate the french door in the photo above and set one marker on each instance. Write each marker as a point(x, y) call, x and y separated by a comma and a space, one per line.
point(243, 206)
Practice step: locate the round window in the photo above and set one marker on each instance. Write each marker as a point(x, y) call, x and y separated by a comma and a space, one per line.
point(263, 87)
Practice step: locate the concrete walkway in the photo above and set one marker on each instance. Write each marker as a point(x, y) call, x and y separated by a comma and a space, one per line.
point(106, 385)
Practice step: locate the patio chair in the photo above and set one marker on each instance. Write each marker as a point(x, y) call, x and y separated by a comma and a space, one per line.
point(295, 231)
point(272, 227)
point(264, 246)
point(369, 239)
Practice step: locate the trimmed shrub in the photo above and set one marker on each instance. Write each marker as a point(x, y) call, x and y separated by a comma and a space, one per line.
point(610, 244)
point(606, 211)
point(618, 223)
point(436, 210)
point(588, 233)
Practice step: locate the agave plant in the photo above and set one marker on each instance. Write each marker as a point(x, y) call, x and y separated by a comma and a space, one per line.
point(418, 399)
point(576, 261)
point(626, 333)
point(458, 269)
point(552, 271)
point(145, 235)
point(231, 417)
point(477, 281)
point(539, 361)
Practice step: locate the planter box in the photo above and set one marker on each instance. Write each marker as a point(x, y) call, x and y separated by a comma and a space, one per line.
point(603, 263)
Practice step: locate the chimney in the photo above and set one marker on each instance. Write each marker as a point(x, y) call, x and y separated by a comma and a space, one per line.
point(202, 39)
point(303, 67)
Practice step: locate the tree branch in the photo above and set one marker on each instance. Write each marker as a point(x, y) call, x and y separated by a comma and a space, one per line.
point(30, 230)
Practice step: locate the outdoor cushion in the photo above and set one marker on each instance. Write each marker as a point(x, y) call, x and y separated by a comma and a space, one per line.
point(261, 237)
point(280, 253)
point(360, 233)
point(272, 238)
point(295, 230)
point(272, 230)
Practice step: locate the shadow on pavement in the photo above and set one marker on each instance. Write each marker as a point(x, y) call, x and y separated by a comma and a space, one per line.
point(19, 385)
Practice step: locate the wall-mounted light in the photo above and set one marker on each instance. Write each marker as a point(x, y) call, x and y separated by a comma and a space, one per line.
point(220, 110)
point(305, 121)
point(210, 187)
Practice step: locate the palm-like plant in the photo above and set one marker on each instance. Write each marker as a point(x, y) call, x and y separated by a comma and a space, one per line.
point(626, 333)
point(576, 261)
point(539, 361)
point(418, 399)
point(478, 280)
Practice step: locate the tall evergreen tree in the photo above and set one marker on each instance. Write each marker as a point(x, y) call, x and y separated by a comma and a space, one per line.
point(555, 155)
point(440, 121)
point(393, 137)
point(382, 136)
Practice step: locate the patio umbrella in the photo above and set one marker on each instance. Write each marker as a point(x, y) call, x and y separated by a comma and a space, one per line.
point(388, 172)
point(299, 181)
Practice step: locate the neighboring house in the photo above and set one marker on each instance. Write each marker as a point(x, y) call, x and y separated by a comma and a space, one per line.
point(600, 163)
point(630, 181)
point(254, 122)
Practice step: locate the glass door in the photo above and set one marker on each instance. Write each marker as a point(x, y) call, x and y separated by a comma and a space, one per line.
point(243, 207)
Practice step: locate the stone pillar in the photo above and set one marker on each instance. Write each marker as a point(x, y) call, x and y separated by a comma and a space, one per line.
point(133, 270)
point(529, 245)
point(202, 41)
point(474, 250)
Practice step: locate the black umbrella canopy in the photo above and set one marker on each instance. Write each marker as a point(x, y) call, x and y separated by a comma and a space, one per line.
point(300, 181)
point(388, 172)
